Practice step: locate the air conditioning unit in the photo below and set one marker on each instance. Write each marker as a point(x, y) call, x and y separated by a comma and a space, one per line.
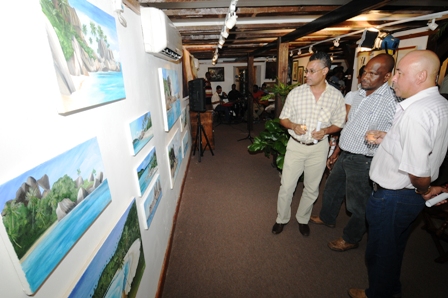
point(161, 37)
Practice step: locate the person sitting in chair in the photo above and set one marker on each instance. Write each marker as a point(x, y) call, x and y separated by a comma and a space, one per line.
point(218, 100)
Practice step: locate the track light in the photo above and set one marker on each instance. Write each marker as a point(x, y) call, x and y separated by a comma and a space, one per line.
point(290, 53)
point(221, 40)
point(232, 7)
point(331, 57)
point(433, 26)
point(336, 42)
point(231, 20)
point(310, 50)
point(299, 52)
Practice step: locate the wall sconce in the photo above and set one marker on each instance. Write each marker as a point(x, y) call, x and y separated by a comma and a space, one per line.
point(336, 42)
point(310, 50)
point(432, 25)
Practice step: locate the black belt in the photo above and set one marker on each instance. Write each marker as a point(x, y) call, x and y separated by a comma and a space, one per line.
point(377, 187)
point(307, 144)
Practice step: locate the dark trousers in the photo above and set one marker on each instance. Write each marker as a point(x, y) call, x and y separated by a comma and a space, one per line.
point(349, 178)
point(226, 110)
point(390, 214)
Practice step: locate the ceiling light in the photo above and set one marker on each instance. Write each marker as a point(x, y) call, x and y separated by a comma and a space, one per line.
point(433, 25)
point(290, 53)
point(311, 50)
point(219, 46)
point(336, 42)
point(299, 52)
point(231, 20)
point(225, 32)
point(232, 7)
point(221, 40)
point(331, 57)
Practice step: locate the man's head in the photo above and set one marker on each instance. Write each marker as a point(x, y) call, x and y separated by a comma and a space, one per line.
point(360, 73)
point(317, 68)
point(263, 86)
point(219, 89)
point(255, 88)
point(233, 86)
point(416, 71)
point(377, 72)
point(207, 76)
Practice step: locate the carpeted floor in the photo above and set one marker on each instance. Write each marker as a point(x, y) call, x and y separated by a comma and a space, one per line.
point(223, 246)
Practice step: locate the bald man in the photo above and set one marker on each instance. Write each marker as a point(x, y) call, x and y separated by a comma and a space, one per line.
point(405, 163)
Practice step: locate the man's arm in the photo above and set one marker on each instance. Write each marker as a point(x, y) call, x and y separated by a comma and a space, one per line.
point(421, 184)
point(293, 126)
point(318, 135)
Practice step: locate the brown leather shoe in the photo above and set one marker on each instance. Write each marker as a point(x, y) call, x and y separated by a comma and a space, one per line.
point(357, 293)
point(340, 245)
point(316, 220)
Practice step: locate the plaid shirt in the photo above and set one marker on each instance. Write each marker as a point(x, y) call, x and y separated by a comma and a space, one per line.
point(379, 107)
point(300, 104)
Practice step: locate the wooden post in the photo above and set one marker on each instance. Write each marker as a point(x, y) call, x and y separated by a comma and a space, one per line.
point(282, 72)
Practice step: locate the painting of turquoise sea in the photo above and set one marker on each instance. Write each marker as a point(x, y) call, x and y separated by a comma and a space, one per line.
point(117, 268)
point(185, 143)
point(171, 95)
point(174, 152)
point(141, 132)
point(84, 45)
point(47, 209)
point(151, 202)
point(147, 170)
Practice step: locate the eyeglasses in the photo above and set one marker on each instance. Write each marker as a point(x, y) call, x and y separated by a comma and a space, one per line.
point(313, 71)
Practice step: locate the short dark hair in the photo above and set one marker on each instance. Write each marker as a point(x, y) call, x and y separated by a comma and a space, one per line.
point(218, 87)
point(361, 71)
point(323, 57)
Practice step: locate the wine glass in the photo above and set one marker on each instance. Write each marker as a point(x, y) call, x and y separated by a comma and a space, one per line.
point(371, 138)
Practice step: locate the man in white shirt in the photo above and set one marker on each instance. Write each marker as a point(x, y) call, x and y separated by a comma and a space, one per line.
point(402, 169)
point(218, 99)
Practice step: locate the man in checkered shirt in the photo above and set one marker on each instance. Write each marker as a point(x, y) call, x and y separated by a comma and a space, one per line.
point(313, 104)
point(375, 103)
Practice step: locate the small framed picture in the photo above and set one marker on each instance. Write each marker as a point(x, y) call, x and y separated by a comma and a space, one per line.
point(216, 74)
point(300, 74)
point(294, 70)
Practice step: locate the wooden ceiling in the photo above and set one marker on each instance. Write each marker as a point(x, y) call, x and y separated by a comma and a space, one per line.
point(262, 23)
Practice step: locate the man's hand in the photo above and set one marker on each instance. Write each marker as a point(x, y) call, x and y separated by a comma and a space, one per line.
point(318, 135)
point(298, 129)
point(375, 136)
point(434, 191)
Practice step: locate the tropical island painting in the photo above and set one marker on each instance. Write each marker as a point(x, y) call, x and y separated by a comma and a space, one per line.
point(174, 153)
point(84, 45)
point(147, 170)
point(151, 202)
point(185, 143)
point(141, 131)
point(47, 209)
point(117, 268)
point(170, 88)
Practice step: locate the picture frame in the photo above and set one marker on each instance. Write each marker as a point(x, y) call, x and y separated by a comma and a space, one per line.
point(147, 170)
point(216, 74)
point(300, 72)
point(170, 96)
point(141, 132)
point(174, 153)
point(294, 70)
point(151, 202)
point(271, 70)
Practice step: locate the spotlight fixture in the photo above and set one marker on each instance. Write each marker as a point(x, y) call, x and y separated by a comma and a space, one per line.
point(299, 52)
point(336, 42)
point(213, 62)
point(225, 32)
point(221, 40)
point(433, 26)
point(219, 46)
point(232, 7)
point(310, 50)
point(290, 53)
point(231, 20)
point(331, 57)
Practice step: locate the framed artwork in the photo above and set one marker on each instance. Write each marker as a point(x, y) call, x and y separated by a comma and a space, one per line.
point(184, 117)
point(47, 209)
point(117, 268)
point(300, 74)
point(294, 70)
point(151, 201)
point(88, 70)
point(174, 153)
point(216, 74)
point(171, 95)
point(141, 132)
point(147, 170)
point(271, 70)
point(185, 143)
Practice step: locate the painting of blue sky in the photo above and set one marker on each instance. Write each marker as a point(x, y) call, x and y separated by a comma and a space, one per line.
point(171, 95)
point(147, 170)
point(141, 132)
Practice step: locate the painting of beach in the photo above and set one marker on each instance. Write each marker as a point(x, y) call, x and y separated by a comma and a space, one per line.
point(117, 268)
point(174, 153)
point(147, 170)
point(184, 119)
point(185, 143)
point(84, 46)
point(47, 209)
point(141, 132)
point(152, 200)
point(171, 94)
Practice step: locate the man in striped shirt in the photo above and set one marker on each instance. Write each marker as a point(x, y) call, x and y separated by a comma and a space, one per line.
point(375, 103)
point(311, 112)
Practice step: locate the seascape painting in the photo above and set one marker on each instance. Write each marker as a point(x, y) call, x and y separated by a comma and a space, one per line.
point(152, 200)
point(171, 95)
point(141, 132)
point(174, 153)
point(84, 45)
point(117, 269)
point(147, 170)
point(47, 209)
point(185, 143)
point(184, 119)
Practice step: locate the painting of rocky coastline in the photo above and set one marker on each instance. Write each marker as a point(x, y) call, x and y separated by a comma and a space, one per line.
point(84, 46)
point(141, 132)
point(171, 95)
point(47, 209)
point(117, 268)
point(147, 170)
point(185, 143)
point(151, 202)
point(174, 153)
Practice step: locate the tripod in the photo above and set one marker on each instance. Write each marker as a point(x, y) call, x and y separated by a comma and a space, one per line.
point(199, 132)
point(250, 111)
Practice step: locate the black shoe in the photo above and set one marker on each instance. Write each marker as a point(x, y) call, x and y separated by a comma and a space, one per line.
point(277, 228)
point(304, 229)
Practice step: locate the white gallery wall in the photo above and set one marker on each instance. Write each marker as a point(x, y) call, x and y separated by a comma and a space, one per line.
point(32, 132)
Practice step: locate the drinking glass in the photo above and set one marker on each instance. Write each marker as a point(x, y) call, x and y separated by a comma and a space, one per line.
point(370, 138)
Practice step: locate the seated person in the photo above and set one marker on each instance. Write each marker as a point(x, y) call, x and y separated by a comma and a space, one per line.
point(219, 98)
point(235, 97)
point(264, 88)
point(258, 105)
